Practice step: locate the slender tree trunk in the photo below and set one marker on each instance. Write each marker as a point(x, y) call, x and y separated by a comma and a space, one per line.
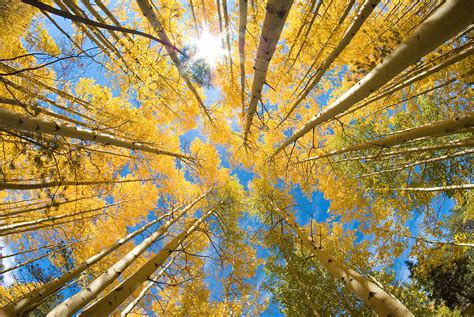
point(451, 18)
point(274, 21)
point(365, 11)
point(19, 122)
point(47, 206)
point(370, 293)
point(448, 62)
point(30, 301)
point(243, 8)
point(6, 229)
point(86, 295)
point(147, 288)
point(113, 299)
point(21, 186)
point(440, 128)
point(431, 160)
point(431, 189)
point(388, 155)
point(147, 10)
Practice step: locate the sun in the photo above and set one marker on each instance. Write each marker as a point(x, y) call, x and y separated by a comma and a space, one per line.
point(209, 47)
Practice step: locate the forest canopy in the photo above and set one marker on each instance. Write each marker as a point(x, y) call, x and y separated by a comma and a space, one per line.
point(236, 158)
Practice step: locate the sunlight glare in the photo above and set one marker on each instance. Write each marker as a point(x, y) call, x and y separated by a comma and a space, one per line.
point(209, 47)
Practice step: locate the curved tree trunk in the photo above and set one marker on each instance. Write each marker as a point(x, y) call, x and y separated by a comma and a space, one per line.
point(107, 304)
point(15, 121)
point(275, 17)
point(445, 127)
point(84, 296)
point(370, 293)
point(451, 18)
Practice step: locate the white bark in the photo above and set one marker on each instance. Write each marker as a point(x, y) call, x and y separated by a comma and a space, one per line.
point(445, 127)
point(29, 186)
point(448, 62)
point(243, 6)
point(147, 287)
point(370, 293)
point(452, 17)
point(19, 122)
point(6, 229)
point(431, 189)
point(362, 15)
point(387, 155)
point(431, 160)
point(30, 301)
point(84, 296)
point(107, 304)
point(275, 17)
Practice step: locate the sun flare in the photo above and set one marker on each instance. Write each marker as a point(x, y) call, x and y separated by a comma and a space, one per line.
point(209, 47)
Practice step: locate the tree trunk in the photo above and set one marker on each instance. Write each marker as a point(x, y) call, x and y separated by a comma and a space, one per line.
point(451, 18)
point(243, 7)
point(432, 189)
point(365, 11)
point(30, 301)
point(6, 229)
point(383, 156)
point(275, 17)
point(147, 287)
point(440, 128)
point(147, 11)
point(390, 90)
point(113, 299)
point(408, 165)
point(84, 296)
point(22, 186)
point(370, 293)
point(19, 122)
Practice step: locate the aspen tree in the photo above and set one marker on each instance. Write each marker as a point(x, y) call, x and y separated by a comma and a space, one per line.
point(16, 121)
point(367, 7)
point(449, 19)
point(150, 15)
point(147, 287)
point(30, 301)
point(375, 297)
point(275, 16)
point(115, 297)
point(445, 127)
point(84, 296)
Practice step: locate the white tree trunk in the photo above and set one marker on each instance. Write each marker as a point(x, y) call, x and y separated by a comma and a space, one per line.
point(26, 186)
point(431, 160)
point(452, 17)
point(19, 122)
point(30, 301)
point(113, 299)
point(445, 127)
point(243, 6)
point(384, 156)
point(84, 296)
point(275, 17)
point(370, 293)
point(147, 287)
